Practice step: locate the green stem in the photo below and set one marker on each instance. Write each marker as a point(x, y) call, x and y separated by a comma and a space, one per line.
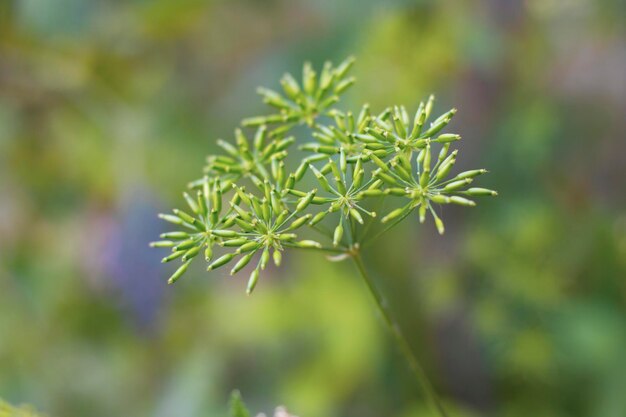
point(424, 382)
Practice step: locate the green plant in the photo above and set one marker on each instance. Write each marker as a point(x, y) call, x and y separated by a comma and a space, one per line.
point(357, 161)
point(239, 409)
point(7, 410)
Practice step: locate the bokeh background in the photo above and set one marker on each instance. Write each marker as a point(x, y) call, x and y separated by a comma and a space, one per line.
point(108, 108)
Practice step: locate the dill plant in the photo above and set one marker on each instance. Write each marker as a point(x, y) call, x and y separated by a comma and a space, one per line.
point(251, 206)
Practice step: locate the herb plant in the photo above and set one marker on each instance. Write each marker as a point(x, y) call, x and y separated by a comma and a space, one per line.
point(251, 205)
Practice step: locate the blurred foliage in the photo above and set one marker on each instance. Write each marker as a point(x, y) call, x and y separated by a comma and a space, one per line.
point(107, 108)
point(7, 410)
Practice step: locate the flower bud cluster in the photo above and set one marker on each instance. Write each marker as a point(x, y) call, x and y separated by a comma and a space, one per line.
point(356, 160)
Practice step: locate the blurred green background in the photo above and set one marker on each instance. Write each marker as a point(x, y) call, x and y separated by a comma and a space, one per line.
point(108, 108)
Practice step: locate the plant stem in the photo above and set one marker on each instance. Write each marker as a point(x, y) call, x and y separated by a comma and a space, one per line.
point(418, 371)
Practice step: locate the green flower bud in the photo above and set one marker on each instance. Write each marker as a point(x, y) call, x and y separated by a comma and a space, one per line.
point(265, 257)
point(185, 244)
point(418, 121)
point(305, 201)
point(455, 185)
point(287, 236)
point(308, 244)
point(173, 256)
point(171, 218)
point(440, 123)
point(372, 193)
point(254, 277)
point(440, 199)
point(462, 201)
point(396, 191)
point(470, 174)
point(247, 247)
point(202, 204)
point(243, 261)
point(221, 261)
point(422, 212)
point(429, 106)
point(254, 121)
point(259, 137)
point(162, 244)
point(191, 253)
point(191, 203)
point(344, 67)
point(439, 224)
point(338, 234)
point(300, 171)
point(447, 138)
point(481, 192)
point(277, 256)
point(234, 242)
point(446, 166)
point(291, 87)
point(224, 233)
point(399, 126)
point(179, 273)
point(356, 215)
point(299, 222)
point(318, 218)
point(344, 85)
point(174, 235)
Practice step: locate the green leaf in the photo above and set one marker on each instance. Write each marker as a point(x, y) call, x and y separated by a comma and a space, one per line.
point(237, 407)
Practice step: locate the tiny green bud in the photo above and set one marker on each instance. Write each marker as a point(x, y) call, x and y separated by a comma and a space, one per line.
point(173, 256)
point(185, 244)
point(462, 201)
point(208, 253)
point(171, 218)
point(162, 244)
point(447, 138)
point(481, 192)
point(299, 222)
point(470, 174)
point(356, 215)
point(308, 244)
point(241, 263)
point(305, 201)
point(174, 235)
point(224, 233)
point(439, 224)
point(338, 234)
point(455, 185)
point(422, 212)
point(191, 253)
point(222, 260)
point(234, 242)
point(254, 277)
point(265, 257)
point(372, 193)
point(247, 247)
point(277, 256)
point(396, 191)
point(287, 236)
point(191, 203)
point(394, 214)
point(318, 218)
point(179, 273)
point(440, 199)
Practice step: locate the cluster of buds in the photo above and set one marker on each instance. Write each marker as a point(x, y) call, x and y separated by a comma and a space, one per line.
point(353, 159)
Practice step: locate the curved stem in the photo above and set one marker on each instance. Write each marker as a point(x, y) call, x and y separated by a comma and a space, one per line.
point(424, 382)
